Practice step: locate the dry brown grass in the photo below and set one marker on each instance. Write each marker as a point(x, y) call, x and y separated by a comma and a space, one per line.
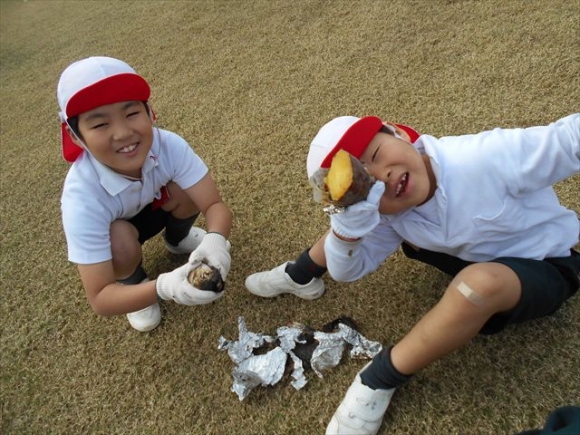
point(248, 84)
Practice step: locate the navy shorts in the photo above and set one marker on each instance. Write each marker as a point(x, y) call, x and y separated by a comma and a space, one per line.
point(546, 284)
point(152, 219)
point(149, 222)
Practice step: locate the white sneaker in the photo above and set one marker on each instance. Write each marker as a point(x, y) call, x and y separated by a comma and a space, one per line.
point(146, 319)
point(188, 244)
point(276, 281)
point(361, 411)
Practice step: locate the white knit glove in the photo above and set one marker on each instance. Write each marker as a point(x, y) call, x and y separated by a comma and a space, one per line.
point(361, 218)
point(175, 286)
point(213, 249)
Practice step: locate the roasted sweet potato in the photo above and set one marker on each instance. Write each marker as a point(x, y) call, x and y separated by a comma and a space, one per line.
point(206, 277)
point(346, 182)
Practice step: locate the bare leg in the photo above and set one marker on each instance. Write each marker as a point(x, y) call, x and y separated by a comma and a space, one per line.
point(125, 248)
point(180, 205)
point(317, 252)
point(475, 294)
point(456, 319)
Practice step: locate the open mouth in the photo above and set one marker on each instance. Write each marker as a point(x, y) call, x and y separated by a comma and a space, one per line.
point(402, 186)
point(127, 149)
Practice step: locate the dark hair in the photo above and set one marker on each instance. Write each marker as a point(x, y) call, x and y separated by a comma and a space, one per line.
point(385, 129)
point(73, 123)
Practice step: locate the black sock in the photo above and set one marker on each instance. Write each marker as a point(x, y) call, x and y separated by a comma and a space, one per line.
point(177, 229)
point(381, 374)
point(303, 270)
point(138, 276)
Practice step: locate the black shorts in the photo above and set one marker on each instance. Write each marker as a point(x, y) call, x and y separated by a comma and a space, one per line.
point(149, 222)
point(546, 284)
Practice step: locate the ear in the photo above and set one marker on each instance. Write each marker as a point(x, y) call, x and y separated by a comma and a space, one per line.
point(77, 141)
point(399, 132)
point(150, 112)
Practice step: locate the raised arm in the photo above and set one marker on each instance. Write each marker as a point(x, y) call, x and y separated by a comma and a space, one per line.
point(543, 156)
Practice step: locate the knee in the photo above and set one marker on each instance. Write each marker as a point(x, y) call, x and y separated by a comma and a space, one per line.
point(180, 203)
point(125, 248)
point(480, 280)
point(491, 287)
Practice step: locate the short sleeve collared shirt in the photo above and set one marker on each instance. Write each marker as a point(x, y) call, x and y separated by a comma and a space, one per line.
point(94, 196)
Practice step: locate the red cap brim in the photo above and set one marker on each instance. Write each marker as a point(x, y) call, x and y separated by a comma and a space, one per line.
point(355, 139)
point(113, 89)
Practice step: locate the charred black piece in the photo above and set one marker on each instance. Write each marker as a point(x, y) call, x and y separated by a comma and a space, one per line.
point(305, 350)
point(206, 277)
point(333, 326)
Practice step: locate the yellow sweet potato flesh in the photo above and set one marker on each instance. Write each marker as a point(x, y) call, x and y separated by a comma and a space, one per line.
point(347, 180)
point(340, 175)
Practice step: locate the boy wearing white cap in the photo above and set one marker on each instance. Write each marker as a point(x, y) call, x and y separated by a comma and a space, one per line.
point(478, 207)
point(130, 180)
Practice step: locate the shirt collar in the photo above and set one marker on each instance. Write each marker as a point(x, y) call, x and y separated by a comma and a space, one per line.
point(113, 182)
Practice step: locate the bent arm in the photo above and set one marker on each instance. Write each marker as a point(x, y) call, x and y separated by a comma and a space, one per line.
point(107, 297)
point(205, 195)
point(351, 260)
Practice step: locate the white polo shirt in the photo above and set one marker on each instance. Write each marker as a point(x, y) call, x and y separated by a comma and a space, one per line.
point(494, 198)
point(94, 196)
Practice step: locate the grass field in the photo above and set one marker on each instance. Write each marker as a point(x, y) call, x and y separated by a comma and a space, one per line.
point(248, 84)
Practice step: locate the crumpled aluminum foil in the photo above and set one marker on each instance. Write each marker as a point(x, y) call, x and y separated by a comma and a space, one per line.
point(263, 359)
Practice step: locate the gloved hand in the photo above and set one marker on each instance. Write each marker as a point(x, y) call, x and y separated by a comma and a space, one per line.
point(214, 249)
point(175, 286)
point(361, 218)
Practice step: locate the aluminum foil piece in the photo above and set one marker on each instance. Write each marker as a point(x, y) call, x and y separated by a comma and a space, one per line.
point(266, 369)
point(243, 348)
point(320, 192)
point(328, 353)
point(262, 360)
point(333, 209)
point(298, 372)
point(361, 346)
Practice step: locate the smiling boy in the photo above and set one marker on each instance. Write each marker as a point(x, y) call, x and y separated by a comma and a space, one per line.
point(479, 207)
point(130, 180)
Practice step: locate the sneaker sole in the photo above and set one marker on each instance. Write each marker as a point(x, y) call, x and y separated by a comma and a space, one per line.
point(306, 296)
point(146, 327)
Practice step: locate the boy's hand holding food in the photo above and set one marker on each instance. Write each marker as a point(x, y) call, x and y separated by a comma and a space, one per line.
point(176, 286)
point(212, 251)
point(353, 194)
point(359, 219)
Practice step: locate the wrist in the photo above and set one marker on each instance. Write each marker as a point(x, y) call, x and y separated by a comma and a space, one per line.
point(345, 238)
point(342, 232)
point(215, 239)
point(159, 288)
point(336, 248)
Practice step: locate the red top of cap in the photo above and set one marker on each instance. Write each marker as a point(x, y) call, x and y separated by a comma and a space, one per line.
point(113, 89)
point(110, 90)
point(355, 139)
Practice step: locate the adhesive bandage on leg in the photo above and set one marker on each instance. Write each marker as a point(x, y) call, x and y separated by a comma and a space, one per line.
point(472, 296)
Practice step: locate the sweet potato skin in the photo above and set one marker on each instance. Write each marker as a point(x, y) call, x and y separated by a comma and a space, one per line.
point(206, 277)
point(358, 190)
